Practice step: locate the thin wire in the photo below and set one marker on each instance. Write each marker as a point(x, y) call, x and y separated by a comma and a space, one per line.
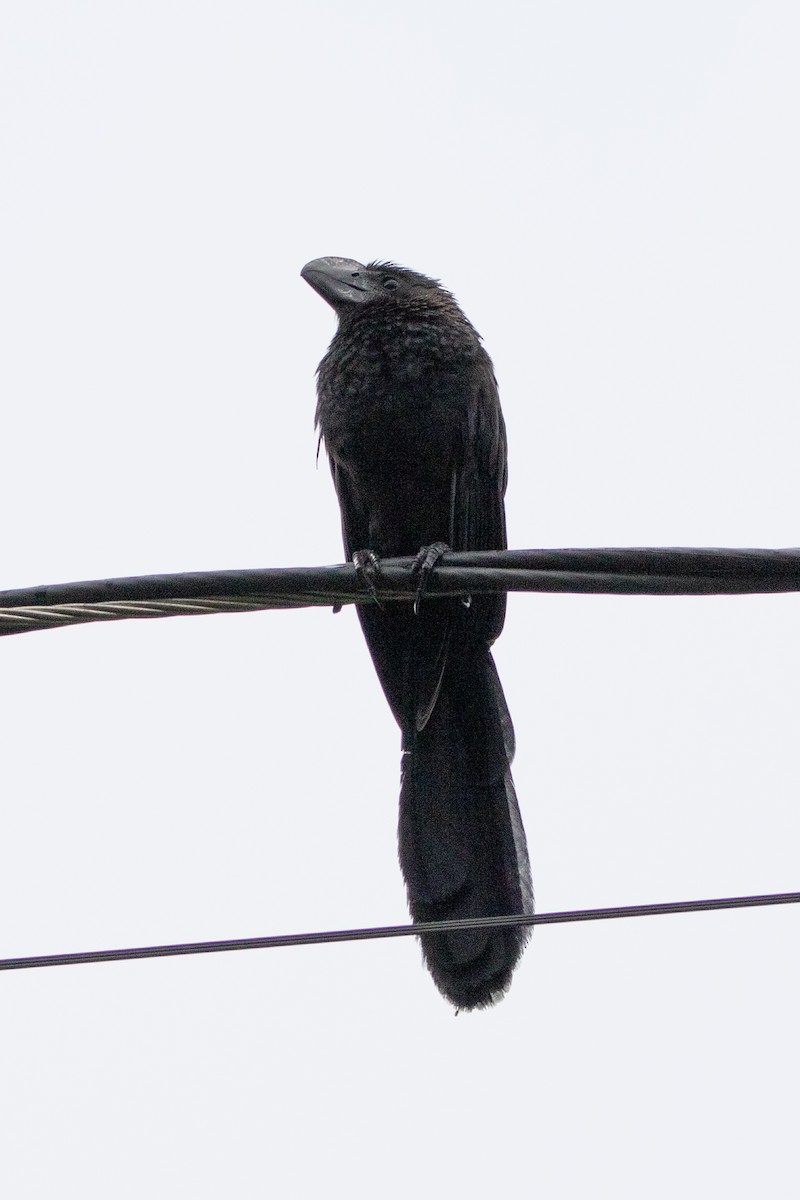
point(643, 572)
point(393, 931)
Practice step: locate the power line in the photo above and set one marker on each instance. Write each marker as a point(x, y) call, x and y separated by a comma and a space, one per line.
point(393, 931)
point(643, 572)
point(656, 572)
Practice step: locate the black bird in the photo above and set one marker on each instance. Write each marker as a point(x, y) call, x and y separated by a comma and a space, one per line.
point(410, 415)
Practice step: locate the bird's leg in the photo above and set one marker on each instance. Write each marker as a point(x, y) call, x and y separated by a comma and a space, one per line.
point(368, 566)
point(423, 564)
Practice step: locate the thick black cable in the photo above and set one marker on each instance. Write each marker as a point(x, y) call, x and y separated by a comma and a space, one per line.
point(643, 572)
point(393, 931)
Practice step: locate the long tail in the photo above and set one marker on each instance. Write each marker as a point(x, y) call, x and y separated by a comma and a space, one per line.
point(462, 844)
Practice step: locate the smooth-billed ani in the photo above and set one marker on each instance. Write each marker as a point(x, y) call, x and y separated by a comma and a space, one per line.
point(410, 415)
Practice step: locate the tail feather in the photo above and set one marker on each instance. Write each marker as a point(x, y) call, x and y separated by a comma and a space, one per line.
point(462, 844)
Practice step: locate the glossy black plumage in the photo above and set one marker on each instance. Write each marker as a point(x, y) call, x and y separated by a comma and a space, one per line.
point(409, 412)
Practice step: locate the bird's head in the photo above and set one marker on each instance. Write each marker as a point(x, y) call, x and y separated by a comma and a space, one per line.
point(348, 285)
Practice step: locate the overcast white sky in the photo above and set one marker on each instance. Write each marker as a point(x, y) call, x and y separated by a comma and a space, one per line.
point(611, 190)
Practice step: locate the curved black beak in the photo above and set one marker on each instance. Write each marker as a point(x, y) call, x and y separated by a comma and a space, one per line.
point(340, 281)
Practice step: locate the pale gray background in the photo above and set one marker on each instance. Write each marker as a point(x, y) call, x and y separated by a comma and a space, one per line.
point(611, 190)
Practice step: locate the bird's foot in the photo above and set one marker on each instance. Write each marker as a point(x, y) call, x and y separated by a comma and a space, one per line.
point(422, 566)
point(368, 566)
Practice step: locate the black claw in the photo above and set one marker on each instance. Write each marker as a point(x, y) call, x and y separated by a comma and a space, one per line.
point(368, 566)
point(423, 564)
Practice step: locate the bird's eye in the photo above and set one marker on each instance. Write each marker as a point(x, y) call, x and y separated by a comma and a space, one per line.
point(390, 284)
point(355, 274)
